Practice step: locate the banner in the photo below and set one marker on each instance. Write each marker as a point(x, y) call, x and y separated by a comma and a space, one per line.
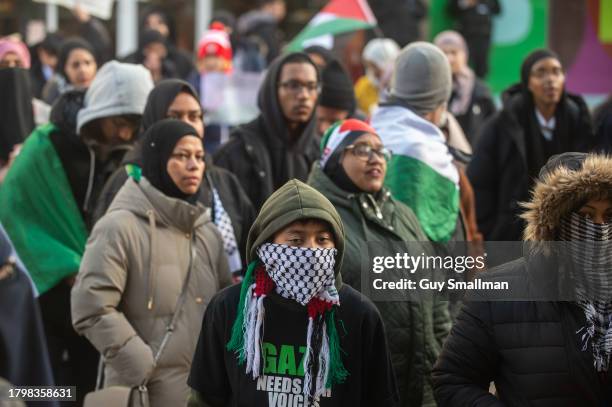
point(98, 8)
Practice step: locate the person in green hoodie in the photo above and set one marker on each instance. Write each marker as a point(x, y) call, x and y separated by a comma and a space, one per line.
point(292, 333)
point(350, 174)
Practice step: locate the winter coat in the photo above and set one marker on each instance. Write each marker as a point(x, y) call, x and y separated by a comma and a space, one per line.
point(76, 156)
point(262, 154)
point(234, 200)
point(415, 330)
point(532, 351)
point(499, 170)
point(480, 109)
point(218, 379)
point(130, 279)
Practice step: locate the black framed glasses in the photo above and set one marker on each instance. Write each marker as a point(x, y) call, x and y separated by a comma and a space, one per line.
point(294, 86)
point(366, 152)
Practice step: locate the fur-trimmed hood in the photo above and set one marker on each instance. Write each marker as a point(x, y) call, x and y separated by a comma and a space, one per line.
point(565, 183)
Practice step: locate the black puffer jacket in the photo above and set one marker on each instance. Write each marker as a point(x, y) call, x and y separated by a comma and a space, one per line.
point(499, 169)
point(531, 350)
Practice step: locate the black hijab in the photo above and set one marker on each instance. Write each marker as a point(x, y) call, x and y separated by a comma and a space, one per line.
point(158, 143)
point(156, 109)
point(160, 99)
point(16, 107)
point(67, 47)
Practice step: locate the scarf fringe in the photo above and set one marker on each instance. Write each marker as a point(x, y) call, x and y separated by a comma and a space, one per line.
point(236, 342)
point(337, 372)
point(307, 359)
point(246, 336)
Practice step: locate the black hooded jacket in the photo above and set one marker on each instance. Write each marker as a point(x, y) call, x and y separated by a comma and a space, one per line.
point(261, 153)
point(505, 163)
point(235, 201)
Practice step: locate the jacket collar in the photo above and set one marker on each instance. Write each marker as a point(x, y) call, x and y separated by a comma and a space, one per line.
point(142, 197)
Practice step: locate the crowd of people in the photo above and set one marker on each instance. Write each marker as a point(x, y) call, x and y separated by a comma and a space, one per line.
point(168, 236)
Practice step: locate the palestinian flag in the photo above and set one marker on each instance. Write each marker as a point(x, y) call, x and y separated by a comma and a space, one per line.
point(421, 173)
point(39, 213)
point(339, 16)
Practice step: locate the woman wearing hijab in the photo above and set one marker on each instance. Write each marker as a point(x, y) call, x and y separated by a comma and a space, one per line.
point(350, 174)
point(76, 69)
point(552, 346)
point(155, 243)
point(232, 210)
point(17, 110)
point(14, 54)
point(539, 119)
point(471, 102)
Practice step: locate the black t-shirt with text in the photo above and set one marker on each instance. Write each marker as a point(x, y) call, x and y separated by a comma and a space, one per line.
point(220, 381)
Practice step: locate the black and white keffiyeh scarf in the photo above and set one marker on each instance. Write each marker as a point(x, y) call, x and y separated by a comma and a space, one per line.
point(304, 275)
point(590, 247)
point(224, 224)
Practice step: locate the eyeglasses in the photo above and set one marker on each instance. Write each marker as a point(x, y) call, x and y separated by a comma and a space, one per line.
point(366, 152)
point(294, 86)
point(184, 158)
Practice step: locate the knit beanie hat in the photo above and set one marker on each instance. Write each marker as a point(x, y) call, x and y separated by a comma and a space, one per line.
point(422, 78)
point(337, 89)
point(216, 42)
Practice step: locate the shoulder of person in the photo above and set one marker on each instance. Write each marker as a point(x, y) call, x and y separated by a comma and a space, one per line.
point(116, 220)
point(226, 301)
point(481, 89)
point(358, 305)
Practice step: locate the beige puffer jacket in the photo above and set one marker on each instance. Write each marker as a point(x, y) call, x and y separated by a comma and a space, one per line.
point(129, 283)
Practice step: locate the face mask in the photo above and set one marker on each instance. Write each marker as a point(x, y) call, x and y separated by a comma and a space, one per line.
point(590, 248)
point(299, 273)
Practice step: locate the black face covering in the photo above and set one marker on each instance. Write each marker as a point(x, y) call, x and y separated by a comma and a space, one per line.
point(16, 107)
point(159, 142)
